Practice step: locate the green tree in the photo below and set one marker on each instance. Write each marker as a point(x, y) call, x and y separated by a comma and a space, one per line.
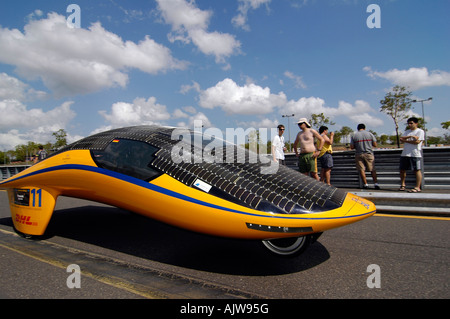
point(383, 139)
point(317, 120)
point(24, 152)
point(435, 140)
point(392, 138)
point(446, 138)
point(396, 104)
point(344, 131)
point(446, 125)
point(256, 144)
point(61, 140)
point(374, 134)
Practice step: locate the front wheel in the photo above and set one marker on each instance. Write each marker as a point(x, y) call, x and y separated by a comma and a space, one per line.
point(288, 246)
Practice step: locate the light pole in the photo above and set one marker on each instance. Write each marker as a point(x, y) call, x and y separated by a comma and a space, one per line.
point(289, 129)
point(423, 115)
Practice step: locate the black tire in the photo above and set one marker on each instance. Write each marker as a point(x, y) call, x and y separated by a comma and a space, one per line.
point(288, 247)
point(27, 236)
point(23, 235)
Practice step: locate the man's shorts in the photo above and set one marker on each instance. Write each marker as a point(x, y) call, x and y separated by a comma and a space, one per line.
point(307, 163)
point(410, 163)
point(326, 160)
point(364, 161)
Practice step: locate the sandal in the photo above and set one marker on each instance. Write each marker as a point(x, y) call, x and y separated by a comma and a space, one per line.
point(414, 190)
point(402, 188)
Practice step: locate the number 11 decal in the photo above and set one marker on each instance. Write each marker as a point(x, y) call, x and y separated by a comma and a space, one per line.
point(37, 193)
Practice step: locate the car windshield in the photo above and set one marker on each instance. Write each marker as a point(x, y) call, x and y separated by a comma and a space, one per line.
point(128, 157)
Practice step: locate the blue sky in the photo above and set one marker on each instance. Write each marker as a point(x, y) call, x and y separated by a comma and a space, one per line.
point(229, 63)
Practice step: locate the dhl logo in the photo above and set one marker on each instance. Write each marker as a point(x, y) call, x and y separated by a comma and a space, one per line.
point(23, 219)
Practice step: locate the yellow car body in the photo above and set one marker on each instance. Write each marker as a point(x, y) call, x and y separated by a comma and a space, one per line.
point(175, 200)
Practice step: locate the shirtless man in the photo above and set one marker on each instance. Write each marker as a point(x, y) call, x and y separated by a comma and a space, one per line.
point(307, 159)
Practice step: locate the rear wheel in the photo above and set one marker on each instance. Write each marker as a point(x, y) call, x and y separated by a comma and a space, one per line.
point(28, 236)
point(288, 246)
point(23, 235)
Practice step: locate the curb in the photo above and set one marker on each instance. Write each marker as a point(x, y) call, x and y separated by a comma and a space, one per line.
point(411, 203)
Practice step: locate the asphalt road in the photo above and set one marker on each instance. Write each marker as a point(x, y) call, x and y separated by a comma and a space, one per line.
point(123, 255)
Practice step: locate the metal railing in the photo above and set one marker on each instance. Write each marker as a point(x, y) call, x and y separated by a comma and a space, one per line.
point(6, 171)
point(436, 168)
point(344, 174)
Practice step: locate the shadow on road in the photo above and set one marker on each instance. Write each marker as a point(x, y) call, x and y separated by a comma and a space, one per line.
point(132, 234)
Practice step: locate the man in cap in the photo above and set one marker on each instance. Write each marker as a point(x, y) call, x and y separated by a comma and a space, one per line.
point(307, 159)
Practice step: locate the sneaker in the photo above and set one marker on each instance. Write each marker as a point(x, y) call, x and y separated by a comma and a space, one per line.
point(366, 186)
point(377, 186)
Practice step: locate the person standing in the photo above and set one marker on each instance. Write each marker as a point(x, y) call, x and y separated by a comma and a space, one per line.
point(307, 159)
point(278, 146)
point(325, 157)
point(363, 142)
point(41, 154)
point(411, 157)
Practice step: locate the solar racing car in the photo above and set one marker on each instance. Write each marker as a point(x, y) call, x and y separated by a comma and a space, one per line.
point(151, 171)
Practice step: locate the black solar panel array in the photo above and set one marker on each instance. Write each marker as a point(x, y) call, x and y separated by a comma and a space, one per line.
point(234, 173)
point(239, 176)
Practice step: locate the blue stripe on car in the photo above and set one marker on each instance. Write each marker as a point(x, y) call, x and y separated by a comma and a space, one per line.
point(162, 190)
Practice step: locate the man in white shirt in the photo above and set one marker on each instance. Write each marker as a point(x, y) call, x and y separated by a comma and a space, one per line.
point(278, 147)
point(411, 157)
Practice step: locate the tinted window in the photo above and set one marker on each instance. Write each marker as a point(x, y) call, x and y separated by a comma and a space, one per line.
point(128, 157)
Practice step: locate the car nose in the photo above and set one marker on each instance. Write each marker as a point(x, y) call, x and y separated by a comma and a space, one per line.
point(362, 206)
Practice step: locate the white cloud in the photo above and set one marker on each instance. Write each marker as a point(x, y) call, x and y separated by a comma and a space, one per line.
point(77, 61)
point(15, 115)
point(36, 13)
point(199, 116)
point(360, 112)
point(20, 124)
point(9, 140)
point(186, 88)
point(413, 78)
point(436, 131)
point(304, 107)
point(190, 24)
point(240, 20)
point(140, 112)
point(182, 14)
point(300, 3)
point(190, 109)
point(12, 88)
point(178, 113)
point(298, 80)
point(221, 45)
point(263, 123)
point(247, 99)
